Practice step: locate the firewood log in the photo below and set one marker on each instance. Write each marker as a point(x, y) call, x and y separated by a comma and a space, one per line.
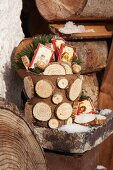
point(42, 111)
point(29, 86)
point(19, 149)
point(69, 121)
point(54, 69)
point(53, 123)
point(64, 111)
point(76, 68)
point(67, 67)
point(75, 89)
point(54, 10)
point(57, 98)
point(62, 82)
point(44, 88)
point(100, 120)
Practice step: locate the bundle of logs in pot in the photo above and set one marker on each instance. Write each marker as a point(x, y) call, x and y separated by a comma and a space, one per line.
point(60, 80)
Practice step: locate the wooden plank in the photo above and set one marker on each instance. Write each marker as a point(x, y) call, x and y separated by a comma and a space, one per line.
point(100, 32)
point(61, 161)
point(106, 91)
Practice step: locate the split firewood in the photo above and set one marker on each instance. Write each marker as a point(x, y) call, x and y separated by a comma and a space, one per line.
point(100, 120)
point(57, 98)
point(25, 61)
point(76, 68)
point(67, 67)
point(75, 89)
point(62, 82)
point(85, 119)
point(42, 111)
point(64, 111)
point(69, 121)
point(29, 86)
point(44, 88)
point(54, 69)
point(53, 123)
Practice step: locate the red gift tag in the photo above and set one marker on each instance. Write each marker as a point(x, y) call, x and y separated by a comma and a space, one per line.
point(42, 54)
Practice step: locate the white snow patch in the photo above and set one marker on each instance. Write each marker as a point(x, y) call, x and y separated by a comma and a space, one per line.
point(70, 28)
point(100, 167)
point(74, 128)
point(105, 111)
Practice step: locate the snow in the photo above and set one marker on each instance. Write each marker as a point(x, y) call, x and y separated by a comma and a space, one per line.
point(84, 118)
point(74, 128)
point(100, 167)
point(105, 111)
point(70, 28)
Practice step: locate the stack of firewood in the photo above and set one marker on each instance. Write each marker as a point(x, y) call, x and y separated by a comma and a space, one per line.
point(62, 81)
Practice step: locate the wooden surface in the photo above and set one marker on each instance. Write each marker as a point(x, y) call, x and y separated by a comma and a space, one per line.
point(60, 9)
point(100, 32)
point(18, 147)
point(106, 91)
point(60, 161)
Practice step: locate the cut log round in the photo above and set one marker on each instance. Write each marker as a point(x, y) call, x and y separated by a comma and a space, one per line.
point(19, 149)
point(42, 111)
point(62, 82)
point(25, 61)
point(67, 67)
point(75, 89)
point(29, 86)
point(44, 88)
point(85, 119)
point(69, 121)
point(64, 111)
point(54, 69)
point(53, 123)
point(60, 9)
point(57, 98)
point(100, 120)
point(76, 68)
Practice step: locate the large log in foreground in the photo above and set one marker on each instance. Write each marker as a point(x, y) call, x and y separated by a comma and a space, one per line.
point(74, 9)
point(18, 147)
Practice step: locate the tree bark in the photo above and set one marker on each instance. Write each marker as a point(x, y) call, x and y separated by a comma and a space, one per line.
point(18, 147)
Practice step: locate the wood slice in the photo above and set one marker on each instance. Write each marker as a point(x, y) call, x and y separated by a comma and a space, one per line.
point(53, 123)
point(62, 82)
point(57, 98)
point(25, 61)
point(100, 120)
point(29, 86)
point(85, 119)
point(54, 69)
point(64, 111)
point(69, 121)
point(75, 89)
point(60, 9)
point(42, 111)
point(19, 149)
point(67, 67)
point(44, 88)
point(76, 68)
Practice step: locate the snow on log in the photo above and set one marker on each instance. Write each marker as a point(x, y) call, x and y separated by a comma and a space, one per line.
point(29, 86)
point(64, 111)
point(42, 111)
point(44, 88)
